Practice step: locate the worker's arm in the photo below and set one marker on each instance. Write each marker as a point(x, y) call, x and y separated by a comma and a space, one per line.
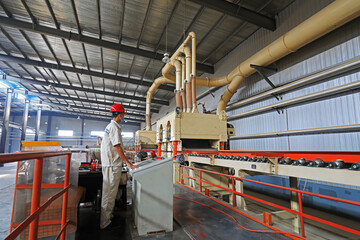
point(121, 153)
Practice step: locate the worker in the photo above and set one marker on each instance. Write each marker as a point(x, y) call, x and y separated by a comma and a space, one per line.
point(112, 157)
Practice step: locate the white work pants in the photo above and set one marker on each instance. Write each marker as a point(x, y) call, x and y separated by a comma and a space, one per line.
point(111, 180)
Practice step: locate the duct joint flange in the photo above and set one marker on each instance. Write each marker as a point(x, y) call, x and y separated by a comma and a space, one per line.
point(283, 40)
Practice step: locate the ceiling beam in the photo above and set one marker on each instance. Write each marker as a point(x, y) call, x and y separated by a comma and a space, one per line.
point(51, 104)
point(107, 104)
point(35, 63)
point(89, 108)
point(78, 113)
point(88, 90)
point(90, 40)
point(239, 12)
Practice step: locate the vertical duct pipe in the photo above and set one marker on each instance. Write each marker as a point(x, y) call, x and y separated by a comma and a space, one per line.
point(188, 62)
point(178, 99)
point(193, 71)
point(188, 96)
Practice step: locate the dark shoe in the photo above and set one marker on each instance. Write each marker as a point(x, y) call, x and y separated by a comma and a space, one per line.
point(112, 227)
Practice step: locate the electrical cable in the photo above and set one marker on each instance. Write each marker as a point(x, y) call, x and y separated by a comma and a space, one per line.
point(290, 235)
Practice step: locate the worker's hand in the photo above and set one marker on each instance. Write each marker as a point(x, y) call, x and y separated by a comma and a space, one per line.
point(132, 166)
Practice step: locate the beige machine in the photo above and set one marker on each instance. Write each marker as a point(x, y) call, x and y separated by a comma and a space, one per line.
point(191, 130)
point(145, 140)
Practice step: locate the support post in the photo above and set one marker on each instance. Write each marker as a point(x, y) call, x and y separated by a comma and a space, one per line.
point(159, 150)
point(35, 200)
point(6, 120)
point(239, 186)
point(294, 203)
point(38, 120)
point(65, 197)
point(25, 120)
point(175, 143)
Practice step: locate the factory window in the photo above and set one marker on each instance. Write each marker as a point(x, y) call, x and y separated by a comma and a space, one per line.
point(97, 133)
point(65, 133)
point(127, 134)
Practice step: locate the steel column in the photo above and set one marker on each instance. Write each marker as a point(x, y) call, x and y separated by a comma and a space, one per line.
point(6, 118)
point(82, 131)
point(38, 119)
point(25, 120)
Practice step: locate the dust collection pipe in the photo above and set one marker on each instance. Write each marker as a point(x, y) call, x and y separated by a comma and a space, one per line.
point(188, 96)
point(331, 17)
point(183, 99)
point(182, 88)
point(167, 77)
point(178, 99)
point(188, 61)
point(328, 19)
point(150, 92)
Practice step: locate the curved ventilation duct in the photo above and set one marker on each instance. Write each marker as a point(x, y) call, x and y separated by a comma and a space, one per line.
point(331, 17)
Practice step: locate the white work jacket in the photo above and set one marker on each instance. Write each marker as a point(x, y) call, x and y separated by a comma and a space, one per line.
point(112, 137)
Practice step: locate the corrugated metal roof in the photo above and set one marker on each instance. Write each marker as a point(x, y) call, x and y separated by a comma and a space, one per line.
point(140, 24)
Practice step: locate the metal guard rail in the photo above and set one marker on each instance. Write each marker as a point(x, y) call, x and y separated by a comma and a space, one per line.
point(36, 209)
point(300, 213)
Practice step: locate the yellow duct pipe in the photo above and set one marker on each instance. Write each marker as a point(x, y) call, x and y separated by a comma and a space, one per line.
point(177, 65)
point(157, 82)
point(193, 72)
point(182, 90)
point(167, 68)
point(182, 60)
point(328, 19)
point(187, 53)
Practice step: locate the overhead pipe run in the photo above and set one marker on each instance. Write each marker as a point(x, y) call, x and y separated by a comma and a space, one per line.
point(336, 14)
point(167, 77)
point(309, 131)
point(326, 20)
point(333, 71)
point(298, 100)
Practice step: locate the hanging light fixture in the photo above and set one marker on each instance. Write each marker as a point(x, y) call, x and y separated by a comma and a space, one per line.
point(166, 58)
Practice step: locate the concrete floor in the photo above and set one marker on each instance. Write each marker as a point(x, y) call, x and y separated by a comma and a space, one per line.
point(7, 183)
point(191, 221)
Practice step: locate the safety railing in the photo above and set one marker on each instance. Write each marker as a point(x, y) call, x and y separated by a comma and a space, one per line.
point(299, 193)
point(33, 219)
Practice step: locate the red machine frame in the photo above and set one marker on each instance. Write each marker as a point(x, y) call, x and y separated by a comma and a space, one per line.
point(299, 192)
point(327, 156)
point(36, 209)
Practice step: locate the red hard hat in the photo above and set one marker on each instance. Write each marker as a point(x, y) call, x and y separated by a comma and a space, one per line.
point(117, 108)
